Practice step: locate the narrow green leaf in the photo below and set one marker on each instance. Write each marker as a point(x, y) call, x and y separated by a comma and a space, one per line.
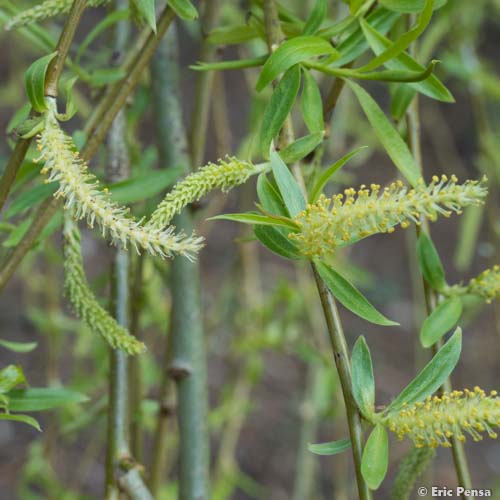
point(311, 104)
point(431, 87)
point(225, 65)
point(144, 186)
point(332, 448)
point(354, 45)
point(441, 321)
point(35, 82)
point(25, 419)
point(401, 100)
point(105, 76)
point(288, 186)
point(349, 296)
point(146, 9)
point(316, 17)
point(363, 382)
point(375, 458)
point(408, 6)
point(389, 137)
point(42, 398)
point(18, 346)
point(232, 35)
point(256, 219)
point(10, 376)
point(184, 9)
point(301, 147)
point(430, 263)
point(431, 378)
point(404, 41)
point(290, 53)
point(279, 107)
point(329, 172)
point(71, 108)
point(30, 198)
point(275, 241)
point(269, 197)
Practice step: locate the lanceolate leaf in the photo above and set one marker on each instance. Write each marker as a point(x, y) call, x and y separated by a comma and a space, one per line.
point(296, 50)
point(409, 5)
point(275, 241)
point(35, 82)
point(430, 379)
point(430, 263)
point(184, 9)
point(301, 147)
point(10, 376)
point(431, 86)
point(375, 457)
point(256, 219)
point(404, 40)
point(315, 18)
point(25, 419)
point(289, 189)
point(311, 104)
point(279, 107)
point(30, 198)
point(18, 346)
point(363, 382)
point(389, 137)
point(349, 296)
point(225, 65)
point(42, 398)
point(269, 197)
point(147, 10)
point(332, 448)
point(441, 321)
point(329, 172)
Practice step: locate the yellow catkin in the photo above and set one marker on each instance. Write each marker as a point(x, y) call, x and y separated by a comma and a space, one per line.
point(487, 284)
point(46, 10)
point(85, 199)
point(348, 217)
point(83, 300)
point(434, 421)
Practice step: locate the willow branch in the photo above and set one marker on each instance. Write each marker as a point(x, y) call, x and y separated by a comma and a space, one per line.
point(51, 83)
point(112, 103)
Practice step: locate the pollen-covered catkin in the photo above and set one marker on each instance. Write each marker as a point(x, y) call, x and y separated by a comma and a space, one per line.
point(45, 10)
point(346, 218)
point(85, 199)
point(487, 284)
point(224, 175)
point(83, 300)
point(434, 421)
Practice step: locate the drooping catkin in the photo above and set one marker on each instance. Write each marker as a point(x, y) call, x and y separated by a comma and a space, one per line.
point(411, 468)
point(433, 422)
point(45, 10)
point(84, 198)
point(345, 218)
point(84, 302)
point(486, 284)
point(223, 175)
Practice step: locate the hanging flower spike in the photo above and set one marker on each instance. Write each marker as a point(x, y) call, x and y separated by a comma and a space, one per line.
point(85, 199)
point(346, 218)
point(487, 284)
point(45, 10)
point(223, 175)
point(434, 421)
point(83, 300)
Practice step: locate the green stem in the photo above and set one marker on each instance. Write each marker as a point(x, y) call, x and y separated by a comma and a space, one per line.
point(431, 298)
point(51, 82)
point(112, 103)
point(187, 364)
point(334, 324)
